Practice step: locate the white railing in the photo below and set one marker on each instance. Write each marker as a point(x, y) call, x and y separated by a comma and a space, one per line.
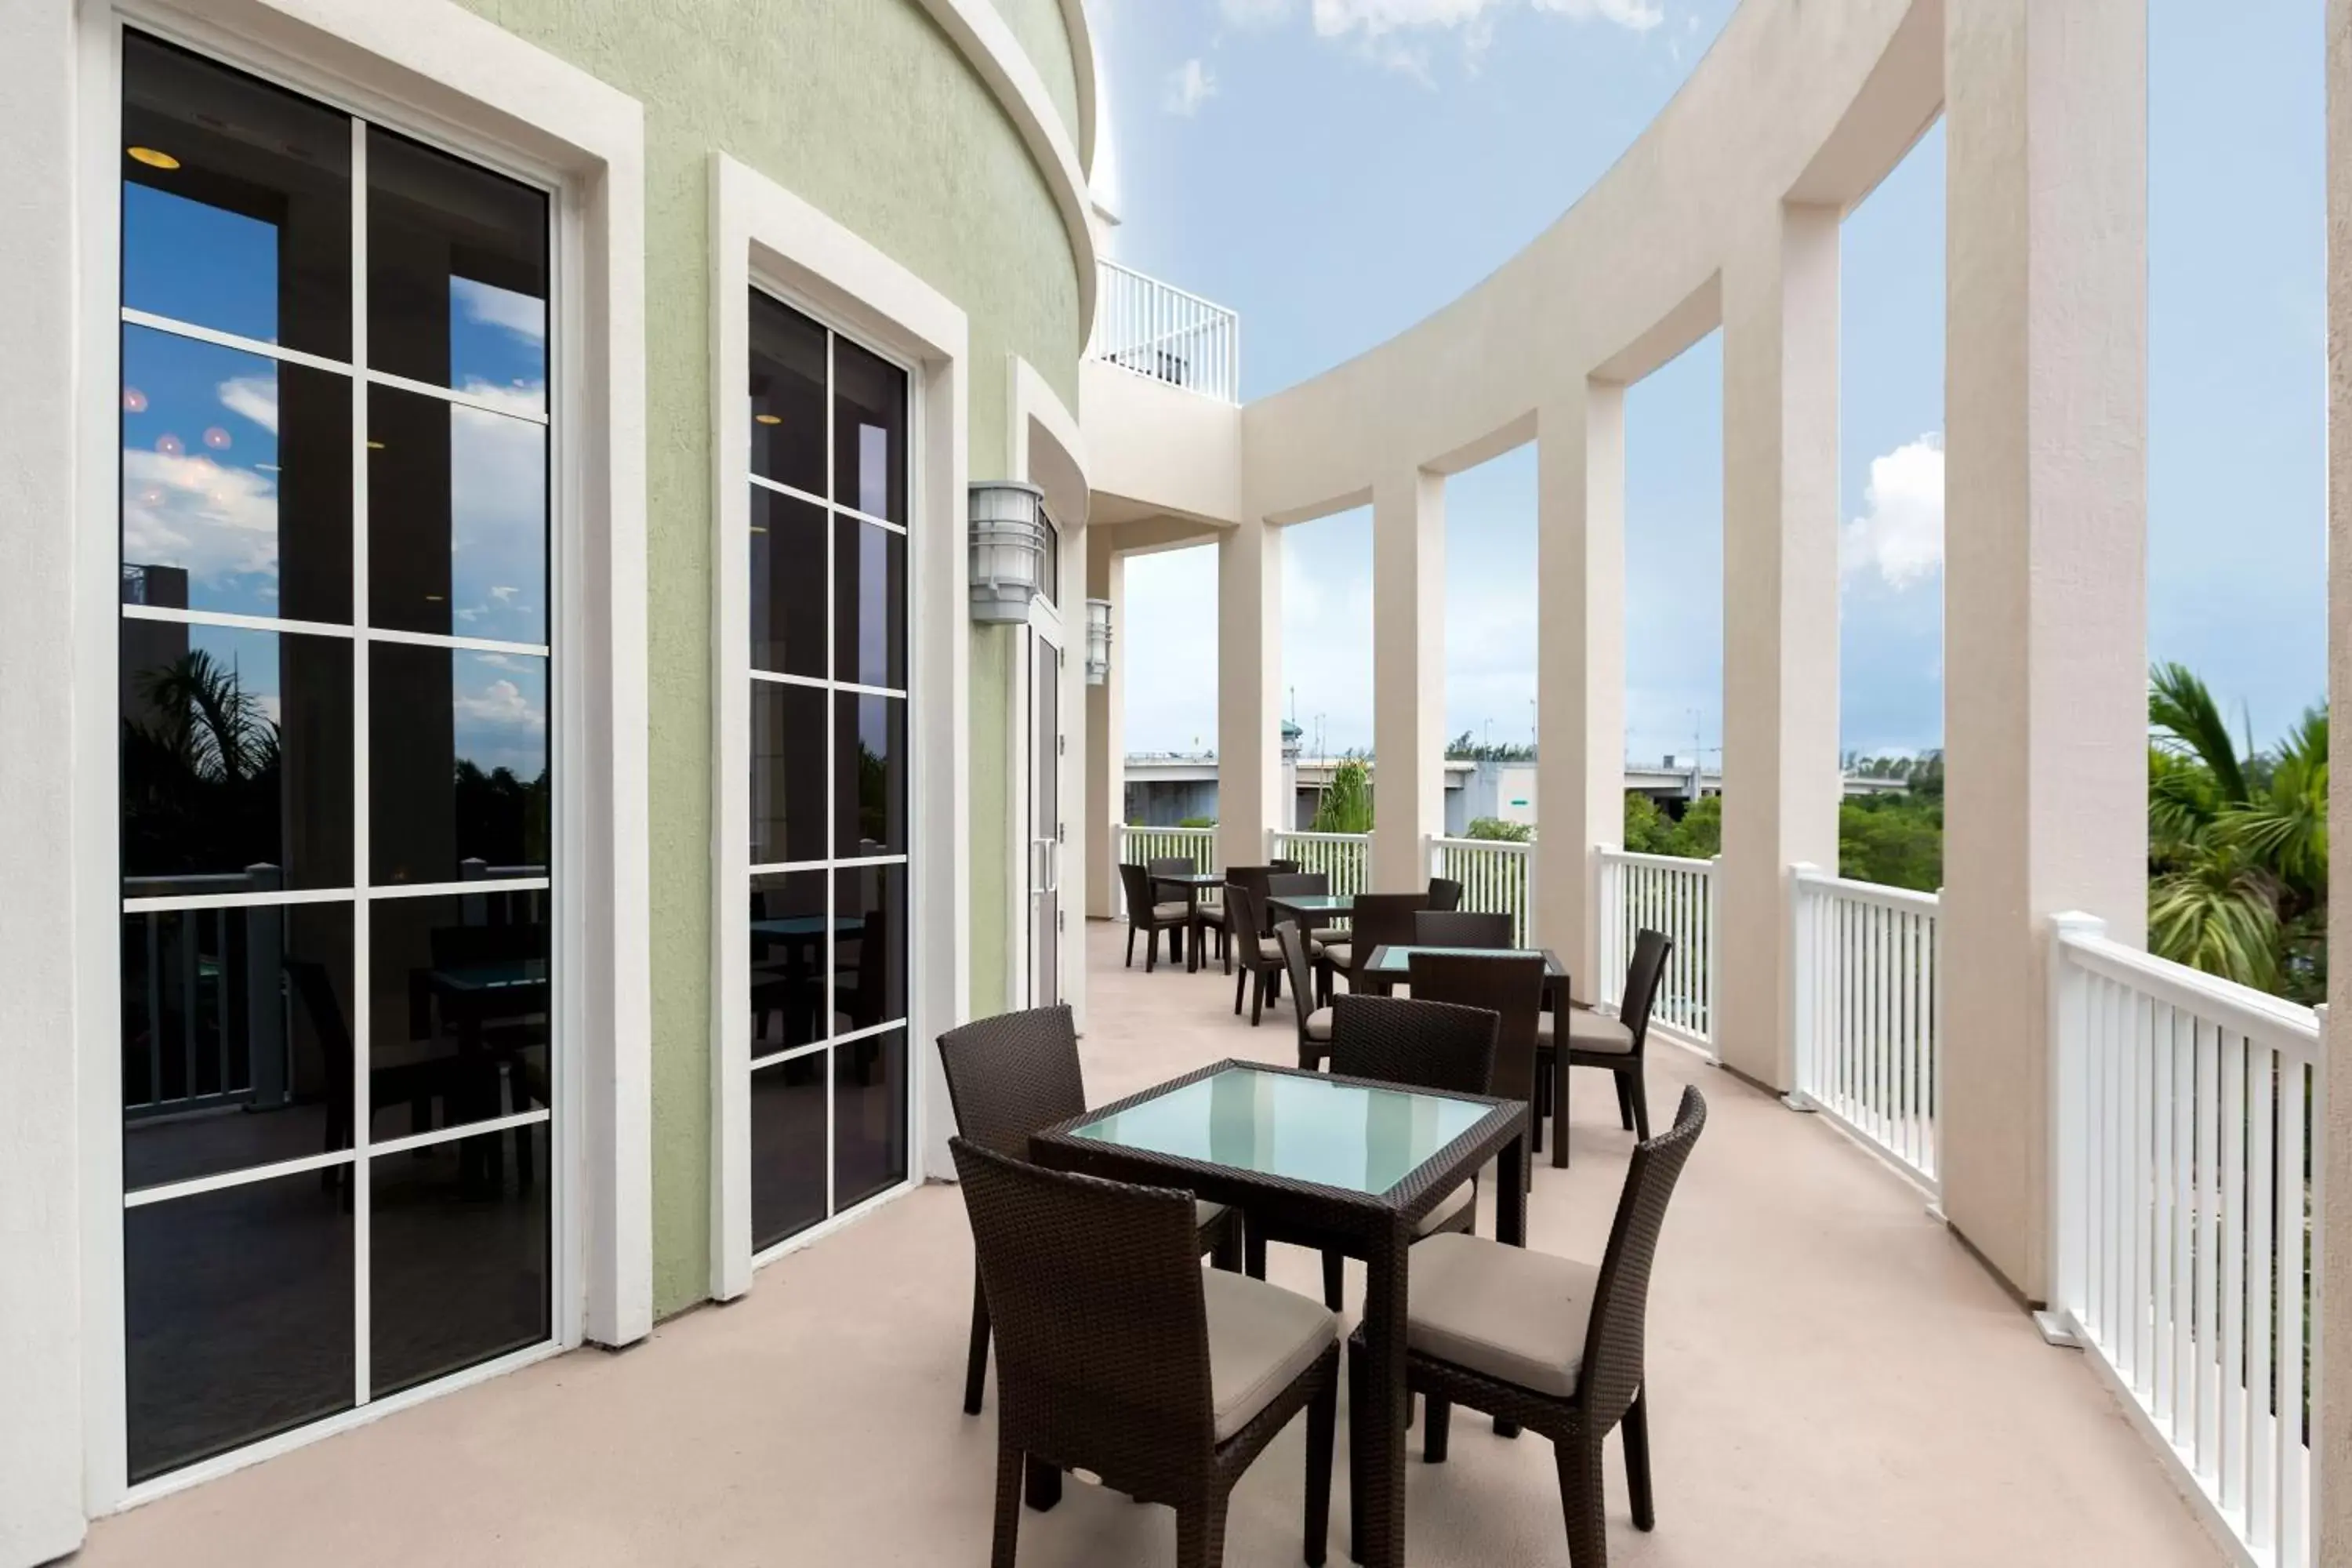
point(1345, 857)
point(1869, 1014)
point(1158, 331)
point(2187, 1229)
point(1664, 893)
point(1494, 875)
point(1140, 845)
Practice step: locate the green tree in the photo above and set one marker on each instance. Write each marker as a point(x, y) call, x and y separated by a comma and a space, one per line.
point(1699, 835)
point(1495, 827)
point(1647, 829)
point(1896, 840)
point(1345, 804)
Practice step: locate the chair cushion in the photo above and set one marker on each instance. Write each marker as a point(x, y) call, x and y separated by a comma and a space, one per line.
point(1513, 1314)
point(1594, 1032)
point(1261, 1338)
point(1330, 933)
point(1205, 1214)
point(1339, 953)
point(1269, 948)
point(1318, 1024)
point(1452, 1204)
point(1171, 911)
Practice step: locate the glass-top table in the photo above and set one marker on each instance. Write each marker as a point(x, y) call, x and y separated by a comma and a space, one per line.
point(1395, 963)
point(1191, 879)
point(1312, 903)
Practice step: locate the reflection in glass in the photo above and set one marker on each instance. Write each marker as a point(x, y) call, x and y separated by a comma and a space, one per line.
point(237, 1317)
point(869, 432)
point(237, 760)
point(236, 481)
point(869, 591)
point(787, 584)
point(869, 958)
point(870, 758)
point(457, 1255)
point(869, 1116)
point(789, 927)
point(457, 1010)
point(457, 763)
point(457, 519)
point(236, 1041)
point(457, 275)
point(787, 397)
point(787, 774)
point(788, 1174)
point(236, 203)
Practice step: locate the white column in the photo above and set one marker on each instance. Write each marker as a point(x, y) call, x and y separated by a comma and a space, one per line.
point(1106, 734)
point(1249, 685)
point(1579, 666)
point(1408, 675)
point(1780, 618)
point(2045, 594)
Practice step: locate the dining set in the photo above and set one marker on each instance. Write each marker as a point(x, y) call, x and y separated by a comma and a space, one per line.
point(1429, 1050)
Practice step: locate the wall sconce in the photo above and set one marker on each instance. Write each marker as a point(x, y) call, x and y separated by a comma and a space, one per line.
point(1008, 548)
point(1097, 641)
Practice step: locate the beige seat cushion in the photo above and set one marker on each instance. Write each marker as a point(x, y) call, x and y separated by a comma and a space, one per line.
point(1593, 1031)
point(1269, 948)
point(1171, 911)
point(1318, 1024)
point(1339, 953)
point(1513, 1314)
point(1454, 1202)
point(1261, 1337)
point(1330, 933)
point(1205, 1214)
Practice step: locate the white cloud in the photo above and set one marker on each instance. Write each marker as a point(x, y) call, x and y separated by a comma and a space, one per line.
point(520, 314)
point(191, 511)
point(1900, 537)
point(1372, 18)
point(255, 397)
point(501, 705)
point(1254, 14)
point(1187, 87)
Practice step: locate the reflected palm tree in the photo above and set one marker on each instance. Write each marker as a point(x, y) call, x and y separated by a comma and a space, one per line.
point(200, 766)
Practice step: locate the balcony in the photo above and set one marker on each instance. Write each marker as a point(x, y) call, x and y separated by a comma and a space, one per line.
point(1158, 332)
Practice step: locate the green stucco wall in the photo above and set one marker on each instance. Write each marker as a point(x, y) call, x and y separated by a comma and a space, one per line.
point(1044, 37)
point(864, 109)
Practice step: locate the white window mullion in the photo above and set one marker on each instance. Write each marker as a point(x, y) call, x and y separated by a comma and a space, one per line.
point(362, 975)
point(832, 781)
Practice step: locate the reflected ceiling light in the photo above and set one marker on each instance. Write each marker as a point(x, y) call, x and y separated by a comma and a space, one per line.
point(767, 418)
point(133, 400)
point(169, 446)
point(1097, 642)
point(1008, 548)
point(375, 445)
point(265, 468)
point(432, 598)
point(217, 439)
point(153, 159)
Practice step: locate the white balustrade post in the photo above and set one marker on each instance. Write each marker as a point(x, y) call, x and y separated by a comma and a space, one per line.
point(2059, 1322)
point(1804, 1003)
point(1714, 948)
point(265, 1008)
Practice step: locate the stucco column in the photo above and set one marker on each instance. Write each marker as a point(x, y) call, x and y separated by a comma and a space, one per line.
point(1779, 618)
point(1249, 687)
point(2045, 650)
point(1580, 664)
point(1408, 675)
point(1106, 732)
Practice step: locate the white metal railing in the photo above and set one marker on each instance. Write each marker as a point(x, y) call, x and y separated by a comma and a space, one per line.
point(1868, 1014)
point(1140, 845)
point(2186, 1227)
point(1664, 893)
point(1159, 331)
point(1494, 875)
point(1345, 857)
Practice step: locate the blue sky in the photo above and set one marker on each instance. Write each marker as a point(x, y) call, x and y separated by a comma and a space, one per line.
point(1334, 170)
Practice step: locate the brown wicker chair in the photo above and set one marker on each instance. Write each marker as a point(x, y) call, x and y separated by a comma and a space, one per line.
point(1618, 1045)
point(1549, 1343)
point(1254, 877)
point(1121, 1355)
point(1420, 1045)
point(1010, 1076)
point(1380, 920)
point(1258, 957)
point(1282, 867)
point(1150, 919)
point(1444, 893)
point(1460, 928)
point(1511, 988)
point(1314, 1023)
point(1180, 866)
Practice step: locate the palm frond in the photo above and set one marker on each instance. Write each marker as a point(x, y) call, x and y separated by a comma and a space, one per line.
point(2189, 722)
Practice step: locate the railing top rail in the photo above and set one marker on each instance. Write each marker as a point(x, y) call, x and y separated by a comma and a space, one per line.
point(1672, 862)
point(1147, 280)
point(1499, 846)
point(2277, 1022)
point(1323, 837)
point(1878, 894)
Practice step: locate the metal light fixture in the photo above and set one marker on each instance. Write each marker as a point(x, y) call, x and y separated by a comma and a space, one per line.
point(1008, 548)
point(1097, 641)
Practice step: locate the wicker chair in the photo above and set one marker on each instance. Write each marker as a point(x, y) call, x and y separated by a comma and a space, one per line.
point(1460, 928)
point(1380, 920)
point(1314, 1023)
point(1512, 988)
point(1180, 866)
point(1150, 919)
point(1254, 877)
point(1420, 1045)
point(1549, 1344)
point(1282, 867)
point(1010, 1076)
point(1444, 893)
point(1618, 1044)
point(1258, 957)
point(1121, 1355)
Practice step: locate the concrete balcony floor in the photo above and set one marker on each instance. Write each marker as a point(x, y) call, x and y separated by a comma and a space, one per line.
point(1833, 1380)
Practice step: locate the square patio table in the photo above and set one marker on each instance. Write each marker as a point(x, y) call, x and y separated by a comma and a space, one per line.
point(1393, 966)
point(1302, 905)
point(1354, 1158)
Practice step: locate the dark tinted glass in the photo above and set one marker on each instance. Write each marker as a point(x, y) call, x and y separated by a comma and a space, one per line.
point(236, 481)
point(869, 1116)
point(869, 614)
point(457, 763)
point(236, 203)
point(870, 766)
point(456, 274)
point(789, 964)
point(457, 998)
point(457, 519)
point(236, 753)
point(869, 432)
point(787, 584)
point(457, 1255)
point(787, 397)
point(870, 979)
point(237, 1317)
point(237, 1039)
point(787, 774)
point(787, 1148)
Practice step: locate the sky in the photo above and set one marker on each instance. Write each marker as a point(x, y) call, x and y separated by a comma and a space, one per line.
point(1335, 170)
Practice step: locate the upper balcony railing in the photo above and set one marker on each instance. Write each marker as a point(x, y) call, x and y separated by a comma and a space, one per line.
point(1154, 330)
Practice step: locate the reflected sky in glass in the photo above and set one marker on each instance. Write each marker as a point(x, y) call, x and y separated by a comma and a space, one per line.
point(498, 526)
point(200, 468)
point(499, 701)
point(193, 262)
point(498, 344)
